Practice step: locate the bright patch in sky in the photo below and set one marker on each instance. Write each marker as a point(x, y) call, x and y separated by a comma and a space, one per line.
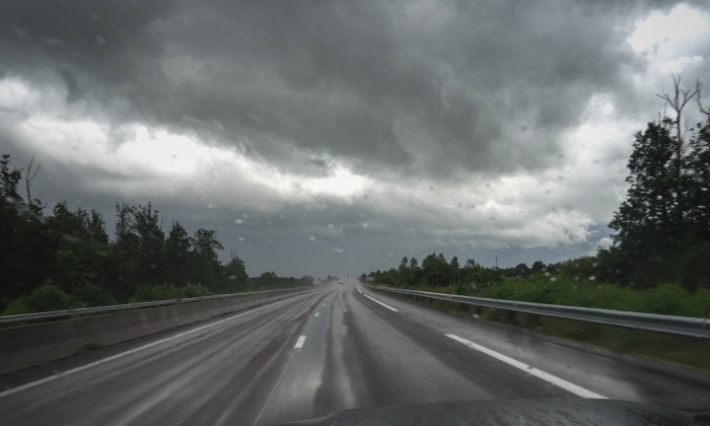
point(680, 24)
point(60, 131)
point(163, 151)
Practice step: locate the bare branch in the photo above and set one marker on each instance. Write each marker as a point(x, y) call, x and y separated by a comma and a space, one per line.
point(665, 98)
point(687, 96)
point(677, 102)
point(29, 177)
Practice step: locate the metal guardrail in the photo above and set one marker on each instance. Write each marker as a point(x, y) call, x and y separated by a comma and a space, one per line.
point(111, 308)
point(670, 324)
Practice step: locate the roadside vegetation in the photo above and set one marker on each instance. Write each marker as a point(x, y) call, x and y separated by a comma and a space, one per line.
point(64, 258)
point(659, 261)
point(660, 257)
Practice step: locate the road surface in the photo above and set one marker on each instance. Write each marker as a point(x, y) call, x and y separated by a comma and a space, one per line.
point(340, 346)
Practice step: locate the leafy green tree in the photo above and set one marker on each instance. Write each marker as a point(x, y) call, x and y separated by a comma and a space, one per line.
point(471, 264)
point(177, 255)
point(205, 243)
point(234, 273)
point(151, 238)
point(522, 269)
point(404, 273)
point(205, 265)
point(436, 270)
point(698, 173)
point(84, 254)
point(454, 264)
point(28, 248)
point(665, 215)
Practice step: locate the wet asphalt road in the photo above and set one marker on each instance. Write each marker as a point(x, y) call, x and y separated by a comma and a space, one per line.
point(341, 346)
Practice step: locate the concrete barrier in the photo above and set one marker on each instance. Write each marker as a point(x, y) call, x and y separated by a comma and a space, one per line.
point(29, 345)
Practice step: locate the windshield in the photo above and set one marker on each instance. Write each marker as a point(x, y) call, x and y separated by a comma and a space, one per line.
point(256, 212)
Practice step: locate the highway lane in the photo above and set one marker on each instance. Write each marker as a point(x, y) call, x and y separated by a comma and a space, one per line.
point(342, 346)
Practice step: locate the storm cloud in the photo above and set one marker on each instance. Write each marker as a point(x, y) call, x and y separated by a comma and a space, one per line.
point(409, 126)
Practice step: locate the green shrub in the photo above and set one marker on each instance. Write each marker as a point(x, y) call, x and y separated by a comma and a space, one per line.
point(18, 306)
point(192, 290)
point(44, 298)
point(168, 292)
point(667, 299)
point(91, 295)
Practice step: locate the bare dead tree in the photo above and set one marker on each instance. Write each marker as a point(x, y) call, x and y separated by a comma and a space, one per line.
point(29, 177)
point(677, 102)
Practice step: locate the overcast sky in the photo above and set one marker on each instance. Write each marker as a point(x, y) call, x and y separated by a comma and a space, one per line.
point(326, 137)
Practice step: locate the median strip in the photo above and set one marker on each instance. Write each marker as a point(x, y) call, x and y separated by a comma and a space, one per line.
point(570, 387)
point(377, 301)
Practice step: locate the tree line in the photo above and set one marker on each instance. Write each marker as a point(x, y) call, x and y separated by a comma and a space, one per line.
point(67, 259)
point(661, 230)
point(435, 271)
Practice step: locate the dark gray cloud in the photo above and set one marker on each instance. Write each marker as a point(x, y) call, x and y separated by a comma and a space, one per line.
point(425, 87)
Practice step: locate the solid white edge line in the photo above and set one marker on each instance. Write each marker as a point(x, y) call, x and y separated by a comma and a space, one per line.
point(132, 351)
point(299, 343)
point(358, 289)
point(564, 384)
point(377, 301)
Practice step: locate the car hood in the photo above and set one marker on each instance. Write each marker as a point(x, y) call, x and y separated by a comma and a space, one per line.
point(563, 412)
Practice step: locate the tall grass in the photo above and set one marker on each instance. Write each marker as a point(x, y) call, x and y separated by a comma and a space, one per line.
point(668, 299)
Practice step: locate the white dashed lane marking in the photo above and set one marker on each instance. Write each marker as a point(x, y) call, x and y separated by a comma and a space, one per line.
point(300, 342)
